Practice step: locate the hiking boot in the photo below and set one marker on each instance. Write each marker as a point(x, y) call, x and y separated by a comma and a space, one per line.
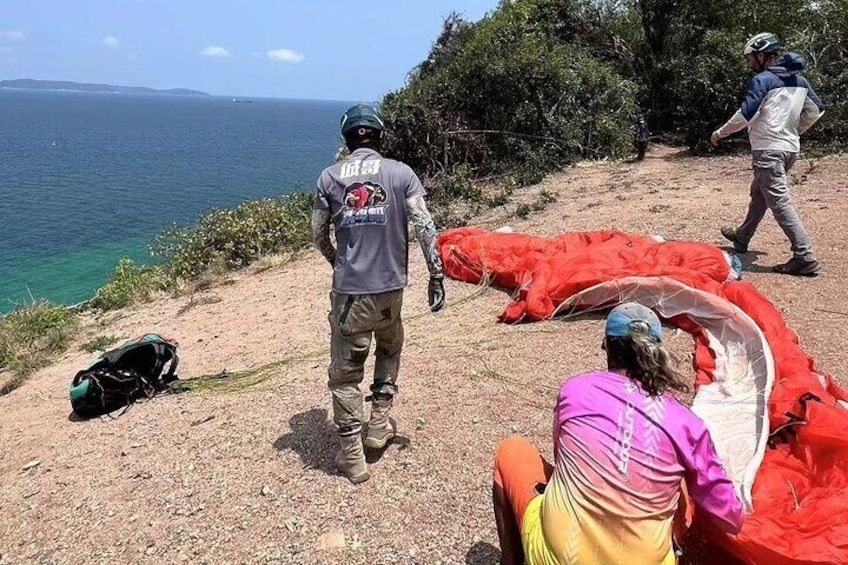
point(381, 428)
point(380, 433)
point(798, 267)
point(350, 461)
point(738, 245)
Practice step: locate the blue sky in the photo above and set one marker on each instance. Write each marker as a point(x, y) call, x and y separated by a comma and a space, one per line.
point(315, 49)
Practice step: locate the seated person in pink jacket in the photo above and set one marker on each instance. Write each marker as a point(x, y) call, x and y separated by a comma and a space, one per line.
point(622, 447)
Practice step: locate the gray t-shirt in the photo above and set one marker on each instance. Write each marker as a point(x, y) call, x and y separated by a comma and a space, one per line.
point(366, 195)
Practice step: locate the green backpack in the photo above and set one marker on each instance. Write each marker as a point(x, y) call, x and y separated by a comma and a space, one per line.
point(121, 376)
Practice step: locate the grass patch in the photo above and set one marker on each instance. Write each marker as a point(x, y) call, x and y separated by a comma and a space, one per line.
point(523, 210)
point(226, 240)
point(30, 336)
point(129, 284)
point(272, 262)
point(99, 343)
point(499, 199)
point(543, 200)
point(194, 258)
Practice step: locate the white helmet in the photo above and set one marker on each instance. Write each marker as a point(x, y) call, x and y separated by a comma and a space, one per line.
point(762, 43)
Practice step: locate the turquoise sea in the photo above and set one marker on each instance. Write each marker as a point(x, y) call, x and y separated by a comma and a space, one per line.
point(87, 178)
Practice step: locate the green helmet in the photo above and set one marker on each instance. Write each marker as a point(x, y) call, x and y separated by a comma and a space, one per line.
point(762, 43)
point(361, 116)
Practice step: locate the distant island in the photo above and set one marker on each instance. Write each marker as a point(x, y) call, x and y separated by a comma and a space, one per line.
point(32, 84)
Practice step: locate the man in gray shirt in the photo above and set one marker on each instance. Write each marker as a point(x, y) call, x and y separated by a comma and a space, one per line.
point(369, 200)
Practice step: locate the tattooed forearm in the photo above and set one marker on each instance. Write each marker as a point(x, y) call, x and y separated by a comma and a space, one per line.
point(321, 234)
point(425, 231)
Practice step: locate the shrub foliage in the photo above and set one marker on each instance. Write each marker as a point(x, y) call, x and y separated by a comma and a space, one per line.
point(223, 240)
point(130, 283)
point(506, 95)
point(219, 241)
point(536, 84)
point(29, 336)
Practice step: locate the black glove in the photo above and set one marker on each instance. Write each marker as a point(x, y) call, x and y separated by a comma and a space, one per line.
point(436, 293)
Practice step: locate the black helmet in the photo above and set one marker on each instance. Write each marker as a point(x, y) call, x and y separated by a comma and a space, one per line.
point(361, 116)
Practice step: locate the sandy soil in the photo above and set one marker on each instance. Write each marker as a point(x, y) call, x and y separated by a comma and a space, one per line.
point(247, 476)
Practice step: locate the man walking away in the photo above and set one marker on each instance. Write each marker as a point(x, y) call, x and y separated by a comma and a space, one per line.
point(369, 200)
point(779, 107)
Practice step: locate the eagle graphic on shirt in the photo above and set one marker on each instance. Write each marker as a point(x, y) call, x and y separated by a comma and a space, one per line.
point(364, 204)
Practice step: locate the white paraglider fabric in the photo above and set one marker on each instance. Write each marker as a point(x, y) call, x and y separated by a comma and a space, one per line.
point(735, 405)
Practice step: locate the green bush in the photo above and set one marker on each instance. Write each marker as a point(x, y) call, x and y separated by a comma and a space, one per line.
point(459, 186)
point(223, 240)
point(128, 284)
point(710, 87)
point(823, 42)
point(536, 84)
point(220, 241)
point(29, 337)
point(504, 95)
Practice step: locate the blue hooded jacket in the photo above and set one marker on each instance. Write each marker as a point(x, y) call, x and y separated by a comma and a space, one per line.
point(779, 106)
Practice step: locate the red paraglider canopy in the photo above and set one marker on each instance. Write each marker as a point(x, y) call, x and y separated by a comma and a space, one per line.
point(778, 422)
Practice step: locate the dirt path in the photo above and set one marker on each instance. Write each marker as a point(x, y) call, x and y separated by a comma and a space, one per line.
point(255, 483)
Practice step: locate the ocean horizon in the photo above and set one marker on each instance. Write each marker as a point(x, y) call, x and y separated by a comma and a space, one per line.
point(88, 177)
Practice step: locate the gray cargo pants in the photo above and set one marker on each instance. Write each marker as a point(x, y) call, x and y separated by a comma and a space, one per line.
point(353, 320)
point(769, 190)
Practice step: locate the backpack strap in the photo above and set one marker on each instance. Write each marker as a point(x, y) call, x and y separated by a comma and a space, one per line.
point(175, 361)
point(165, 352)
point(172, 370)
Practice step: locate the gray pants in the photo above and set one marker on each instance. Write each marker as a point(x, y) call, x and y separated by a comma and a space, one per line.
point(353, 320)
point(770, 191)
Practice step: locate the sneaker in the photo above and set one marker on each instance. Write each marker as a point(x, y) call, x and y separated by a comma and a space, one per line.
point(798, 267)
point(738, 245)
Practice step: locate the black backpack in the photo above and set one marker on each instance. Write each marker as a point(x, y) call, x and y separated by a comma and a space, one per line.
point(121, 376)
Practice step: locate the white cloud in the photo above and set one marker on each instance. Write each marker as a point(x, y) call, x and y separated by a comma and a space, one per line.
point(214, 52)
point(11, 35)
point(110, 42)
point(285, 56)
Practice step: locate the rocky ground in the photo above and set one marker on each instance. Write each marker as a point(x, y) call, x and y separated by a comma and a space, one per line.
point(243, 472)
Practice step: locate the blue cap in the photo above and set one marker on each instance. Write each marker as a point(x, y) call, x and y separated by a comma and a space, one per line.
point(632, 318)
